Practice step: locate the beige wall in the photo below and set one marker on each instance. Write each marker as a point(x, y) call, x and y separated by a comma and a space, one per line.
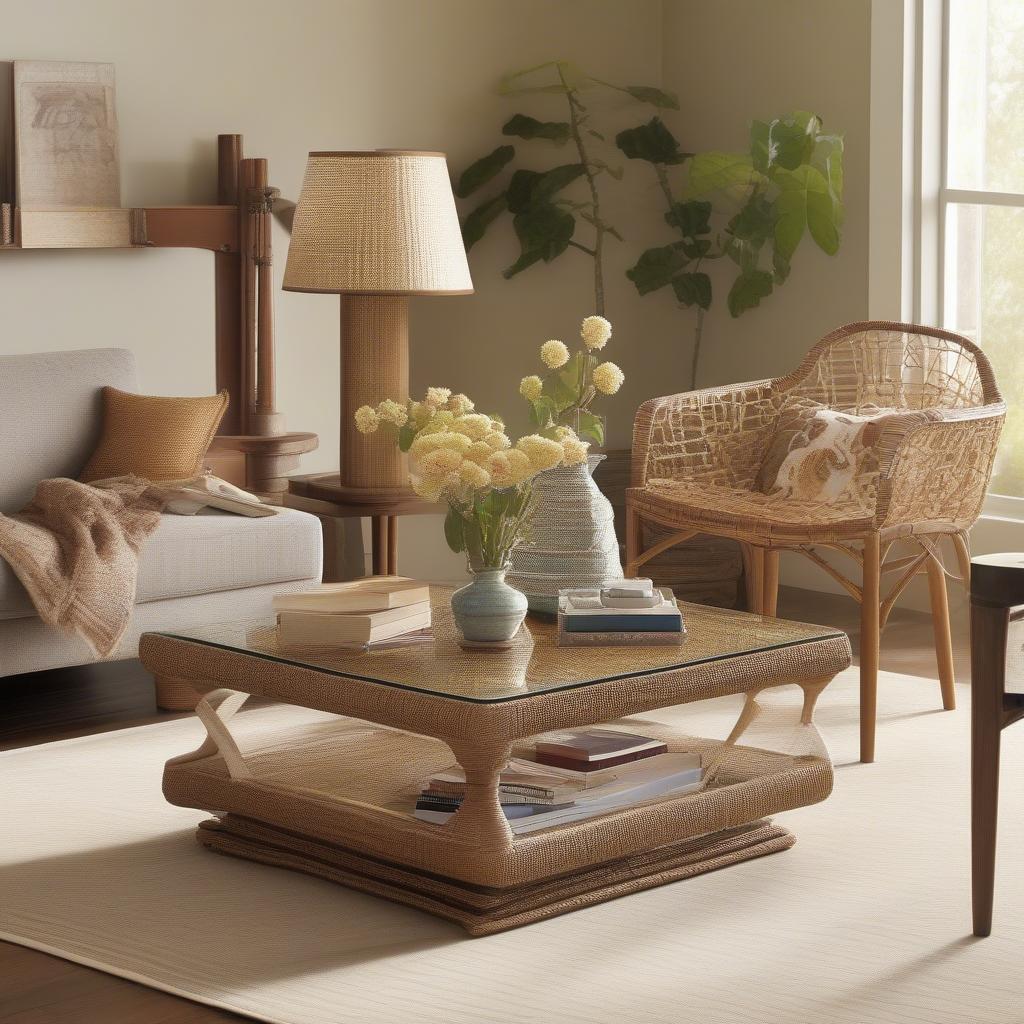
point(401, 73)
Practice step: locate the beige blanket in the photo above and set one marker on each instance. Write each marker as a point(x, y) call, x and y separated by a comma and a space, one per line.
point(75, 548)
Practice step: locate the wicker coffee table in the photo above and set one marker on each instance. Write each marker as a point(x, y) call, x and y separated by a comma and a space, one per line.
point(335, 798)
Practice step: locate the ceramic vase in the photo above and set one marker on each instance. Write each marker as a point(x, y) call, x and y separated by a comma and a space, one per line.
point(572, 540)
point(487, 610)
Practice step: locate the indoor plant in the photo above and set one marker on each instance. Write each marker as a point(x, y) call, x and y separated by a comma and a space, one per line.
point(467, 460)
point(572, 542)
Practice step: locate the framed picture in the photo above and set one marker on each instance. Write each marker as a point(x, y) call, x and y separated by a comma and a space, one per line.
point(66, 138)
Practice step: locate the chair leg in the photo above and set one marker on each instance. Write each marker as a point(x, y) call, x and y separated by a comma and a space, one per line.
point(869, 639)
point(755, 579)
point(940, 625)
point(634, 535)
point(770, 590)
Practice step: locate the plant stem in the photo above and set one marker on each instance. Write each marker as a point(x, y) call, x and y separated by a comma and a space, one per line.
point(698, 329)
point(698, 332)
point(575, 106)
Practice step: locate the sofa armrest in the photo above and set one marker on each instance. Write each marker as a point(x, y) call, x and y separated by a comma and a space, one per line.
point(717, 435)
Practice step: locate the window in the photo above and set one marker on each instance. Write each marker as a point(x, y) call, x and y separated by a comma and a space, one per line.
point(981, 202)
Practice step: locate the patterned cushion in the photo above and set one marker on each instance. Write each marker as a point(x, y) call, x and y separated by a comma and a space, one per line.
point(818, 453)
point(153, 437)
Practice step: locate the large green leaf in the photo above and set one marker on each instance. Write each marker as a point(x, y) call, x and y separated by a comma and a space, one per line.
point(455, 530)
point(692, 217)
point(476, 223)
point(790, 142)
point(729, 173)
point(592, 426)
point(406, 435)
point(755, 222)
point(534, 188)
point(828, 158)
point(530, 128)
point(780, 266)
point(656, 97)
point(481, 171)
point(561, 390)
point(748, 290)
point(656, 267)
point(693, 289)
point(542, 412)
point(652, 142)
point(544, 233)
point(804, 201)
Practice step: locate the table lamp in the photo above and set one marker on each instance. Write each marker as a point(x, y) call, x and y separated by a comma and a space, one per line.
point(375, 227)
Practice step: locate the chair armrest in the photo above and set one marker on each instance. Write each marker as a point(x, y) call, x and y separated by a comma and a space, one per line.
point(935, 465)
point(717, 435)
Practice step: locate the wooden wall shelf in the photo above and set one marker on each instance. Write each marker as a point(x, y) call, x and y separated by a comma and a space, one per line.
point(238, 231)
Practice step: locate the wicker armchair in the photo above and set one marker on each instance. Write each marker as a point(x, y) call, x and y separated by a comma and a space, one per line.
point(696, 457)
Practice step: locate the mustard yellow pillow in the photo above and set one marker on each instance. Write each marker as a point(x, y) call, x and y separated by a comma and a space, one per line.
point(154, 437)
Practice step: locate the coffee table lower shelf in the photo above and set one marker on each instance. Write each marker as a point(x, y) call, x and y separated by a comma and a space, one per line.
point(483, 910)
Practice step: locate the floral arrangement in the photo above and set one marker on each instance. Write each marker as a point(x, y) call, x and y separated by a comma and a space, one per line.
point(563, 396)
point(467, 459)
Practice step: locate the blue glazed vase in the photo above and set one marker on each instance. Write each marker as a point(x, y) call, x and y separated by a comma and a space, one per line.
point(487, 609)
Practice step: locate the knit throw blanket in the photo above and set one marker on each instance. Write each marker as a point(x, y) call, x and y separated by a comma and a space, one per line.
point(75, 548)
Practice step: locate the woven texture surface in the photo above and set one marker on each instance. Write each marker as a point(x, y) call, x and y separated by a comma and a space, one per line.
point(377, 222)
point(697, 456)
point(865, 921)
point(154, 437)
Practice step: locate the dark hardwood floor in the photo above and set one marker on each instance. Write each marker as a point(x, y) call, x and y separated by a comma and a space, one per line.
point(36, 988)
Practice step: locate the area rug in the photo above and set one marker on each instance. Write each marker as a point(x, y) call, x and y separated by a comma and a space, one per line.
point(866, 919)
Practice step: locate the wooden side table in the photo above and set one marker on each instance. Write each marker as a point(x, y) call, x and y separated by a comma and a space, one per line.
point(997, 594)
point(323, 495)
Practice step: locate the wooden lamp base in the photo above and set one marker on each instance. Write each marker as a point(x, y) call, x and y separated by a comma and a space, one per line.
point(374, 366)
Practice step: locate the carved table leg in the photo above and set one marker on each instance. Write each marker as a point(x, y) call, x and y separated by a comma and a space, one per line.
point(480, 817)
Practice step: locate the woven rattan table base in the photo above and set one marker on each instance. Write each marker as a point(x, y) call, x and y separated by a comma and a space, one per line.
point(483, 910)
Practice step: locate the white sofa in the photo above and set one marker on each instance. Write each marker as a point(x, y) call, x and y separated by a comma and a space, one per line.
point(194, 570)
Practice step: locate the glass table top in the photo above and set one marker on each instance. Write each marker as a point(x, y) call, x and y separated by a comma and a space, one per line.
point(532, 664)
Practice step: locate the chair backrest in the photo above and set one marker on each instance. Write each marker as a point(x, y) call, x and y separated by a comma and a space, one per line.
point(894, 366)
point(51, 406)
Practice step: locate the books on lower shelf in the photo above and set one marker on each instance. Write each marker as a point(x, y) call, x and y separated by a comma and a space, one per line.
point(365, 613)
point(535, 796)
point(588, 750)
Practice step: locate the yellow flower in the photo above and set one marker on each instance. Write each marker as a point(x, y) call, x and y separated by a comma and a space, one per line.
point(554, 354)
point(474, 475)
point(460, 404)
point(438, 440)
point(500, 469)
point(542, 452)
point(608, 378)
point(438, 421)
point(479, 451)
point(438, 397)
point(428, 488)
point(595, 332)
point(367, 420)
point(391, 412)
point(520, 466)
point(498, 440)
point(440, 462)
point(420, 413)
point(475, 426)
point(531, 388)
point(574, 451)
point(563, 433)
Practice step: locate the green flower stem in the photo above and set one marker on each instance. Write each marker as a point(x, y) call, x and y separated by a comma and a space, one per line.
point(576, 108)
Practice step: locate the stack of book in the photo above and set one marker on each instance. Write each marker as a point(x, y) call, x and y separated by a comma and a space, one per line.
point(535, 795)
point(624, 612)
point(376, 611)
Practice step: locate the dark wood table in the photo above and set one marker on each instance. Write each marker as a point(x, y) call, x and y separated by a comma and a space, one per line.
point(997, 639)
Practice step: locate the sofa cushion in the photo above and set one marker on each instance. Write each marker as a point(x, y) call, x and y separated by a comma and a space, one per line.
point(205, 554)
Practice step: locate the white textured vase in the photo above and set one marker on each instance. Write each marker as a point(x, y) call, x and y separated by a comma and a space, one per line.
point(487, 610)
point(572, 540)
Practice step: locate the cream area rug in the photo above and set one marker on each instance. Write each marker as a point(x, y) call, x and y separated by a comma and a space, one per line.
point(866, 920)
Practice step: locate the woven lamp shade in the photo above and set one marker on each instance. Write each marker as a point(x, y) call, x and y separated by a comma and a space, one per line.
point(380, 223)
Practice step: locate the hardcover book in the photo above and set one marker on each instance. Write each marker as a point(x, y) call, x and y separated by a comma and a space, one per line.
point(372, 594)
